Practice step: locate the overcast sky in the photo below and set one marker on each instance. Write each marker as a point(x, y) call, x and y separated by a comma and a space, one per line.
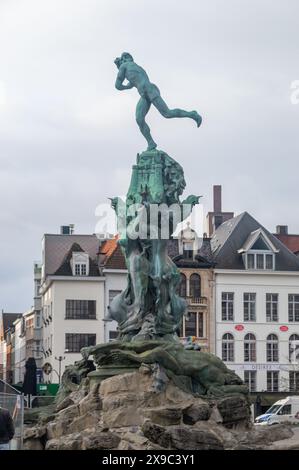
point(68, 137)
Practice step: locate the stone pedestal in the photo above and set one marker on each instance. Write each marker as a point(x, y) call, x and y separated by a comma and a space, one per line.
point(105, 372)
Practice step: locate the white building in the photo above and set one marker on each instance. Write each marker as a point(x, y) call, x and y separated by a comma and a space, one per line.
point(256, 305)
point(20, 350)
point(75, 289)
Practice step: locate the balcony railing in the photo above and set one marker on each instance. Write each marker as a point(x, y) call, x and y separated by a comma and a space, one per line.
point(197, 300)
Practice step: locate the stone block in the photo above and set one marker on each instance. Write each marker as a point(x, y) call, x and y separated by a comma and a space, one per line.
point(196, 412)
point(165, 416)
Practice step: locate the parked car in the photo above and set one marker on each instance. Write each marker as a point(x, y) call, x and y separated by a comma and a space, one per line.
point(282, 411)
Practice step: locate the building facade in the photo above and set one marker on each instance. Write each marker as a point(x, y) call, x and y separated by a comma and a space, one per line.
point(80, 276)
point(256, 305)
point(72, 299)
point(7, 347)
point(20, 350)
point(193, 258)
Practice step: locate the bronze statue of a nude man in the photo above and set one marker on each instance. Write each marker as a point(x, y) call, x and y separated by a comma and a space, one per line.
point(150, 94)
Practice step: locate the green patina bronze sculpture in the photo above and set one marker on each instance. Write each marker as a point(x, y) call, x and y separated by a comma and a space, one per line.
point(199, 372)
point(149, 311)
point(150, 307)
point(149, 93)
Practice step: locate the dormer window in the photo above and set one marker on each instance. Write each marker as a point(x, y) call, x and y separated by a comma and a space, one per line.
point(80, 269)
point(258, 252)
point(80, 264)
point(188, 242)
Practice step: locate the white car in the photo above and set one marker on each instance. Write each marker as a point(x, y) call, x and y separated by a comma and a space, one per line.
point(282, 411)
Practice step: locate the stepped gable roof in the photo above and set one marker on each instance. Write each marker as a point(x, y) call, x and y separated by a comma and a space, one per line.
point(233, 234)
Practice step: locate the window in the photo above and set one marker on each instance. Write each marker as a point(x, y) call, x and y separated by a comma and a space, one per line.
point(294, 381)
point(80, 269)
point(37, 349)
point(285, 410)
point(227, 307)
point(249, 348)
point(294, 307)
point(195, 286)
point(74, 342)
point(183, 286)
point(250, 380)
point(272, 348)
point(200, 332)
point(250, 261)
point(249, 306)
point(269, 261)
point(259, 260)
point(260, 244)
point(294, 348)
point(228, 348)
point(113, 335)
point(190, 324)
point(193, 325)
point(272, 381)
point(271, 307)
point(188, 250)
point(80, 263)
point(80, 309)
point(112, 294)
point(37, 320)
point(37, 288)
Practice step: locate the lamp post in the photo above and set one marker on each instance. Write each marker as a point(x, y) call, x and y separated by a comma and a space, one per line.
point(59, 359)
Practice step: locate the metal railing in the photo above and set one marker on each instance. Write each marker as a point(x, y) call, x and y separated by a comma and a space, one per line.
point(197, 300)
point(14, 402)
point(38, 400)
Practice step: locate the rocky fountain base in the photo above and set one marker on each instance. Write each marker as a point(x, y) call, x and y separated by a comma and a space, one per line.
point(144, 409)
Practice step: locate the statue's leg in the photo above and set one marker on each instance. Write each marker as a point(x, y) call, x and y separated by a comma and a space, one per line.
point(158, 355)
point(162, 107)
point(142, 109)
point(162, 357)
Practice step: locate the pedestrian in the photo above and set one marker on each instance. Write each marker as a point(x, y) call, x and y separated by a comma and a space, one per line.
point(7, 429)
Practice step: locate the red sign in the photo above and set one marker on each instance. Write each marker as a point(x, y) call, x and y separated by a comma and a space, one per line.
point(283, 328)
point(239, 327)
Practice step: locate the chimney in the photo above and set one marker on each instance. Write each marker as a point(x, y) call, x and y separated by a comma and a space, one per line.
point(281, 229)
point(67, 229)
point(217, 197)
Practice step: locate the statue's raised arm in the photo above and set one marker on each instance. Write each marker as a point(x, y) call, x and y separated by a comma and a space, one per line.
point(149, 94)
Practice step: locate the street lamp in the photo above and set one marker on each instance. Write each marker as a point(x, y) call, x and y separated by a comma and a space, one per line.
point(59, 359)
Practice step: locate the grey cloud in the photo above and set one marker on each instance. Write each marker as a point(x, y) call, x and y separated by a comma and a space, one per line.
point(68, 138)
